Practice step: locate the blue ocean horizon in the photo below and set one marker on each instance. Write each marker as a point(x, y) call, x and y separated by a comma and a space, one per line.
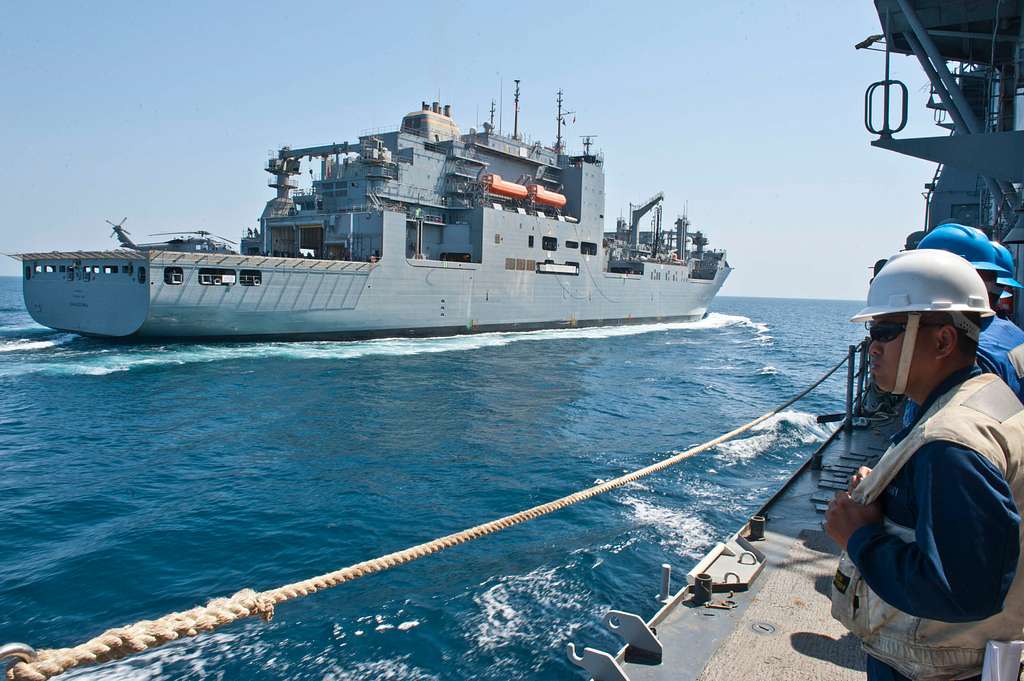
point(143, 479)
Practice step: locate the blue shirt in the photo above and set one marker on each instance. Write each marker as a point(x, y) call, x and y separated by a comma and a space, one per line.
point(964, 556)
point(998, 337)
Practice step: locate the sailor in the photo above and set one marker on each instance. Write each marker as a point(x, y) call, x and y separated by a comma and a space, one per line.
point(931, 567)
point(1005, 260)
point(1001, 346)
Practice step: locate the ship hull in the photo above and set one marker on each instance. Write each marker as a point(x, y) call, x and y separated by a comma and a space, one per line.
point(330, 300)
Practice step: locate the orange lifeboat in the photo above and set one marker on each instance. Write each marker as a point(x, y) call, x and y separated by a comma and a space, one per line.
point(545, 197)
point(510, 190)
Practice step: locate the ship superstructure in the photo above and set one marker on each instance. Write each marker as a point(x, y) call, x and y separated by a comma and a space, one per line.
point(421, 230)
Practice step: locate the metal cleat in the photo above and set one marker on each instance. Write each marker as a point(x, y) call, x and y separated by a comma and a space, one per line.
point(600, 665)
point(643, 644)
point(21, 651)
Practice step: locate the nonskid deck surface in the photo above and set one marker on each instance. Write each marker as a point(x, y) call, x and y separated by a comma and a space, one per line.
point(781, 628)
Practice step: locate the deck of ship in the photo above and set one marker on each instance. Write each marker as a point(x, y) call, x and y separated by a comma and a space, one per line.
point(781, 627)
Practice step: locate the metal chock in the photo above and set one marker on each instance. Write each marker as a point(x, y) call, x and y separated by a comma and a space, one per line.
point(22, 651)
point(643, 644)
point(600, 665)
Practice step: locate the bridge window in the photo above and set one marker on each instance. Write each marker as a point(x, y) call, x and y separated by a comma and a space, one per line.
point(49, 268)
point(142, 275)
point(587, 248)
point(110, 269)
point(212, 276)
point(39, 268)
point(549, 243)
point(530, 241)
point(250, 278)
point(173, 275)
point(572, 244)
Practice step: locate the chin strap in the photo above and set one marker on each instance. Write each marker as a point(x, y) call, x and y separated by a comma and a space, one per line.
point(907, 352)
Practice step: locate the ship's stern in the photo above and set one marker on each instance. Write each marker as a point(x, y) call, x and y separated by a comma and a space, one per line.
point(103, 293)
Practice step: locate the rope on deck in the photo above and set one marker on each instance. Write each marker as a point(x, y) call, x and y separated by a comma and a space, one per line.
point(120, 642)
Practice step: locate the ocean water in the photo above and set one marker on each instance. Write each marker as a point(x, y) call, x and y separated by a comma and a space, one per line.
point(141, 479)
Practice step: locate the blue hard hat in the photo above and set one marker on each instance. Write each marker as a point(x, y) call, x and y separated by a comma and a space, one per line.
point(1005, 260)
point(967, 242)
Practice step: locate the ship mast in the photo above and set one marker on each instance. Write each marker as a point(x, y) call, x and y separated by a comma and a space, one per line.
point(560, 121)
point(515, 123)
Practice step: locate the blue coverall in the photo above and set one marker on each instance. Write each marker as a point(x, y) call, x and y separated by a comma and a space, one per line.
point(964, 557)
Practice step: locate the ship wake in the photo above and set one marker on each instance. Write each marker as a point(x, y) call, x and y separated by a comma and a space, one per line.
point(93, 358)
point(785, 430)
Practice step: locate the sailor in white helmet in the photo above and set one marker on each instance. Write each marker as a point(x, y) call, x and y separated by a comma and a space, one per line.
point(931, 568)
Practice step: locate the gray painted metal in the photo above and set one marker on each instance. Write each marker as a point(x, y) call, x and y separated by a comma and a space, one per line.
point(998, 154)
point(400, 235)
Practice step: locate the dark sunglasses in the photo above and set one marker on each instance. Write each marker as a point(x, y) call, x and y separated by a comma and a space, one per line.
point(883, 332)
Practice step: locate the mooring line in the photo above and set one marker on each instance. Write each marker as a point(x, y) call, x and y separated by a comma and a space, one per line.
point(120, 642)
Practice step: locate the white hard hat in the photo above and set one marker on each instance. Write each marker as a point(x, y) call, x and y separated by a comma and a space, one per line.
point(926, 280)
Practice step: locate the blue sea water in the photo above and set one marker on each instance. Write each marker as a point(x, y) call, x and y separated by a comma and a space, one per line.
point(141, 479)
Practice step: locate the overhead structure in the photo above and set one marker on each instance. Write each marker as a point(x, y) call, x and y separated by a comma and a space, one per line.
point(973, 56)
point(637, 212)
point(978, 95)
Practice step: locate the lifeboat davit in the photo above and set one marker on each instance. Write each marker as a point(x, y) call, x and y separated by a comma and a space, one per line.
point(510, 190)
point(545, 197)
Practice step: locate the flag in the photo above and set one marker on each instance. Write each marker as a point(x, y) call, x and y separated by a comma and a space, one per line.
point(574, 119)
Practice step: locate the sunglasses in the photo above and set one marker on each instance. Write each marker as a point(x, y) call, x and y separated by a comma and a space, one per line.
point(883, 332)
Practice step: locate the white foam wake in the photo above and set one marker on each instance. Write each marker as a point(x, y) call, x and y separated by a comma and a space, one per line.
point(24, 344)
point(782, 431)
point(507, 608)
point(681, 531)
point(99, 363)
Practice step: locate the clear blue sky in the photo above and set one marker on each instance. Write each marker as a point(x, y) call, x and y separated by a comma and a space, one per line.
point(750, 111)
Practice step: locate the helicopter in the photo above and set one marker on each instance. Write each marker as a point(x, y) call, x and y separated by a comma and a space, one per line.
point(188, 241)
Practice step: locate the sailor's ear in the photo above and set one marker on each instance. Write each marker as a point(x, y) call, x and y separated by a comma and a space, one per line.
point(945, 341)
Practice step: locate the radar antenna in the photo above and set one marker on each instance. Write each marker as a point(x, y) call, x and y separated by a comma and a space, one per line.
point(588, 140)
point(121, 233)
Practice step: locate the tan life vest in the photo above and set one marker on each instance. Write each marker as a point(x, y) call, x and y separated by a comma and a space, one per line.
point(981, 414)
point(1017, 360)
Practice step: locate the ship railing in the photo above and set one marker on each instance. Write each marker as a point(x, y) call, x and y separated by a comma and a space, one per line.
point(369, 132)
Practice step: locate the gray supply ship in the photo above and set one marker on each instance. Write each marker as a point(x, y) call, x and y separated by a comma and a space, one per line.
point(417, 231)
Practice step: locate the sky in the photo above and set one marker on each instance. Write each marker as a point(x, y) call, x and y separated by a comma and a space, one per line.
point(748, 113)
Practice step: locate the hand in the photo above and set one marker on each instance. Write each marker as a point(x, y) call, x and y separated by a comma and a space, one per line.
point(855, 479)
point(845, 516)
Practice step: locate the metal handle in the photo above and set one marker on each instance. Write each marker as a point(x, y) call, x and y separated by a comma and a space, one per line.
point(886, 130)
